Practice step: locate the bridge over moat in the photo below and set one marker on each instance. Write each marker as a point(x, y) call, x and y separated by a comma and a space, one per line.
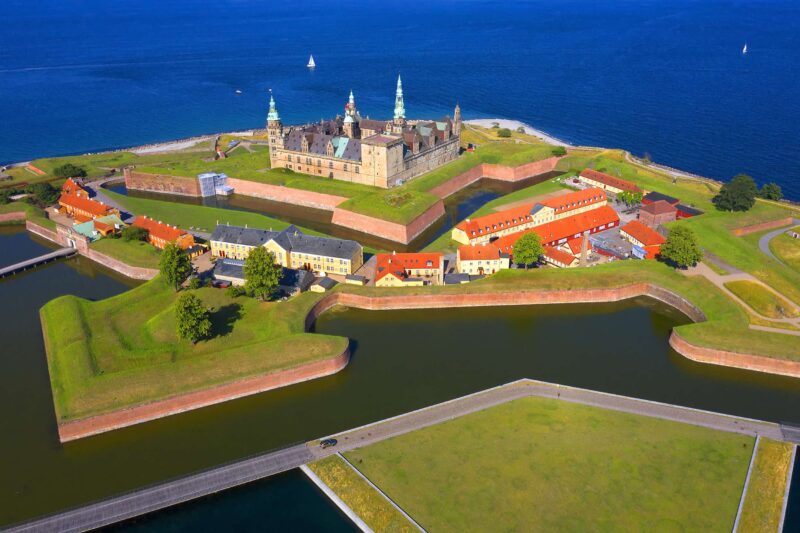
point(36, 261)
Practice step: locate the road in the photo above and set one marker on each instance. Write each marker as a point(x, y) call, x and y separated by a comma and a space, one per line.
point(763, 242)
point(224, 477)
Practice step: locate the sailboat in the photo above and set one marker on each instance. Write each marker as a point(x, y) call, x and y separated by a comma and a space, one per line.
point(744, 50)
point(311, 63)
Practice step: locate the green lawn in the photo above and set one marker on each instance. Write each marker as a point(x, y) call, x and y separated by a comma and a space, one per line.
point(365, 501)
point(762, 300)
point(135, 253)
point(32, 213)
point(787, 250)
point(538, 464)
point(124, 351)
point(764, 500)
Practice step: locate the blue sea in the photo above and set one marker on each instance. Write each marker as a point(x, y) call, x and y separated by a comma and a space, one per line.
point(666, 78)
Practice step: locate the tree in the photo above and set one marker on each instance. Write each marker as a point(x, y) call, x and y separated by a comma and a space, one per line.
point(134, 233)
point(504, 132)
point(68, 170)
point(739, 194)
point(528, 249)
point(174, 265)
point(521, 129)
point(681, 248)
point(194, 322)
point(771, 191)
point(559, 151)
point(261, 273)
point(5, 196)
point(43, 194)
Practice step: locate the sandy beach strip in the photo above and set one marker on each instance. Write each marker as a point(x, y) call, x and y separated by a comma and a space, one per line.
point(513, 125)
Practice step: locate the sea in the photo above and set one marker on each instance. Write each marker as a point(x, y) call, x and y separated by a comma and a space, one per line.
point(662, 78)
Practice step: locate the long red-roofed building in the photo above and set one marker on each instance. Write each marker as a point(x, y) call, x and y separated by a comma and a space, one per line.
point(510, 221)
point(561, 231)
point(159, 234)
point(607, 182)
point(408, 269)
point(83, 209)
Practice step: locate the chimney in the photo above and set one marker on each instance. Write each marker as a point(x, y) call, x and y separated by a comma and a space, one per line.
point(394, 252)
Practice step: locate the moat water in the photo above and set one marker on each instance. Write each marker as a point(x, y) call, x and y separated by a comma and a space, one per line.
point(402, 360)
point(458, 206)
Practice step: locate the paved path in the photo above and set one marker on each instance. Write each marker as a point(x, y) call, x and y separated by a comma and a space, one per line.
point(719, 280)
point(763, 242)
point(36, 261)
point(173, 492)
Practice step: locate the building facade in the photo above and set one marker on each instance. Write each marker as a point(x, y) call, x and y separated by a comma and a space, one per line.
point(291, 248)
point(607, 182)
point(481, 260)
point(409, 269)
point(503, 223)
point(160, 234)
point(379, 153)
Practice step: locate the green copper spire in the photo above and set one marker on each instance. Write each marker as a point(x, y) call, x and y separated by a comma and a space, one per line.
point(273, 111)
point(399, 106)
point(352, 98)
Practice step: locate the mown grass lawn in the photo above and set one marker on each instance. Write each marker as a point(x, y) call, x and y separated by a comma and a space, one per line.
point(135, 253)
point(538, 464)
point(365, 501)
point(764, 500)
point(787, 249)
point(32, 213)
point(124, 351)
point(762, 300)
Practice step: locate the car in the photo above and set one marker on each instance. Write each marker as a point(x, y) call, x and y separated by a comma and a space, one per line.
point(327, 443)
point(220, 284)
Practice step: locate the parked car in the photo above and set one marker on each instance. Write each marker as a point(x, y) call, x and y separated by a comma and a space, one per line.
point(220, 284)
point(327, 443)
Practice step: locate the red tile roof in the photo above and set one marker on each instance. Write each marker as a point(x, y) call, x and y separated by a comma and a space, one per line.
point(611, 181)
point(516, 216)
point(471, 252)
point(159, 230)
point(397, 264)
point(643, 233)
point(493, 222)
point(559, 255)
point(87, 205)
point(574, 200)
point(566, 228)
point(73, 187)
point(576, 245)
point(659, 208)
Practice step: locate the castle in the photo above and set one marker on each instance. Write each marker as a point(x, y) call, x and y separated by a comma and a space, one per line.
point(381, 153)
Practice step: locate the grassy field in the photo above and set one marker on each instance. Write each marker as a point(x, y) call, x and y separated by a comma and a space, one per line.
point(538, 464)
point(32, 213)
point(365, 501)
point(762, 300)
point(787, 250)
point(135, 253)
point(764, 499)
point(124, 351)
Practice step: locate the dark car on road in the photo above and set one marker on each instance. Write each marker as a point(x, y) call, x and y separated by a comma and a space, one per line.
point(327, 443)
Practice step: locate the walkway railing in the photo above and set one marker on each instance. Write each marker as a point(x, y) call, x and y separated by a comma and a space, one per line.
point(36, 261)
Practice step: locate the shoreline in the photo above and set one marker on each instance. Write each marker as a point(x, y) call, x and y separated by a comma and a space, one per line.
point(514, 124)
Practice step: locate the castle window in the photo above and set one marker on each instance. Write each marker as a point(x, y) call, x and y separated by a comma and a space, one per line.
point(308, 160)
point(330, 164)
point(290, 159)
point(345, 167)
point(319, 162)
point(358, 170)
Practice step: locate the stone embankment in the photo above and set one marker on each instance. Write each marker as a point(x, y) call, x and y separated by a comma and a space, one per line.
point(102, 259)
point(755, 228)
point(77, 429)
point(288, 195)
point(393, 231)
point(678, 343)
point(495, 172)
point(17, 216)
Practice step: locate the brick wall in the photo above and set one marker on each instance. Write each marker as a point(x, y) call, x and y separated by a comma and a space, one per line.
point(755, 228)
point(16, 216)
point(163, 183)
point(287, 195)
point(77, 429)
point(496, 172)
point(402, 233)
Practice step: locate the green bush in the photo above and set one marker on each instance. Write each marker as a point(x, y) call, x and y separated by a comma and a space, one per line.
point(504, 133)
point(559, 151)
point(68, 170)
point(134, 233)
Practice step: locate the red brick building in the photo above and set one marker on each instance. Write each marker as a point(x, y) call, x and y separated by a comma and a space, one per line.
point(159, 234)
point(657, 213)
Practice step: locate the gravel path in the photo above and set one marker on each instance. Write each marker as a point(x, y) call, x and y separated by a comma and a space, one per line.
point(763, 242)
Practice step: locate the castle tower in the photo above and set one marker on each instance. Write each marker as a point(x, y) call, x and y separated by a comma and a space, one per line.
point(274, 126)
point(351, 118)
point(399, 106)
point(457, 120)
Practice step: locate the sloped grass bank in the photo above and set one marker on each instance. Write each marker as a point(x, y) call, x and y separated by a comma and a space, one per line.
point(124, 351)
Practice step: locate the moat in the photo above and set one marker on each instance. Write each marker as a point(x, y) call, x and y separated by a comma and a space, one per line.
point(402, 360)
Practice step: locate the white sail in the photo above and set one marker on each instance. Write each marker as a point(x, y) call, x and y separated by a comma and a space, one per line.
point(744, 50)
point(311, 63)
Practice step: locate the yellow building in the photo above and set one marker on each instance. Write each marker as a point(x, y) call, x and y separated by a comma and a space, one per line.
point(495, 225)
point(409, 269)
point(481, 260)
point(291, 247)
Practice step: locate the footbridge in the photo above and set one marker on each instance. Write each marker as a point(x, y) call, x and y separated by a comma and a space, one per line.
point(36, 261)
point(139, 502)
